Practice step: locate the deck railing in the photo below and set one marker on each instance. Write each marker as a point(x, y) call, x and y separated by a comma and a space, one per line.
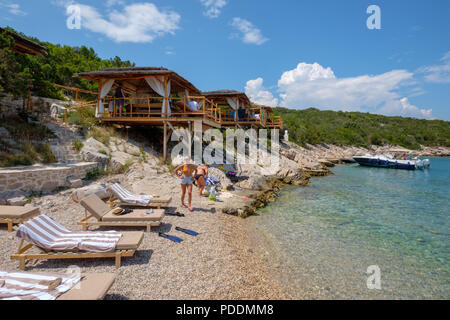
point(154, 107)
point(151, 107)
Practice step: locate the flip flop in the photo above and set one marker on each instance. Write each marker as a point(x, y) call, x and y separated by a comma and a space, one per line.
point(191, 209)
point(184, 206)
point(187, 231)
point(176, 214)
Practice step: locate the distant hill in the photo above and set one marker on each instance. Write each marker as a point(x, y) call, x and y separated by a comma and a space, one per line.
point(362, 129)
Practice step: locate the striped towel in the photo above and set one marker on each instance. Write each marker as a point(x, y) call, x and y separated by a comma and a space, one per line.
point(126, 196)
point(32, 286)
point(49, 235)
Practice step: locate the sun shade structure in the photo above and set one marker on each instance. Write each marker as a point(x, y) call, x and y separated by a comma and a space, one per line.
point(240, 110)
point(23, 45)
point(150, 92)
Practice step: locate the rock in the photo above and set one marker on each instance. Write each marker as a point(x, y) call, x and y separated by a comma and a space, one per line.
point(97, 189)
point(253, 183)
point(90, 151)
point(118, 160)
point(75, 183)
point(225, 182)
point(16, 196)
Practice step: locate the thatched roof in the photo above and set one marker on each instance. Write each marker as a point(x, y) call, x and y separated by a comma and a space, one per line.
point(139, 73)
point(23, 45)
point(219, 96)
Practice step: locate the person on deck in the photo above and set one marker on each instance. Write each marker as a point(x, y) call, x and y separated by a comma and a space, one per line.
point(119, 95)
point(201, 176)
point(186, 173)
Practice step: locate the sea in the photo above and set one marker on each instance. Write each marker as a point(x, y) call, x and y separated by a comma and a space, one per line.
point(361, 233)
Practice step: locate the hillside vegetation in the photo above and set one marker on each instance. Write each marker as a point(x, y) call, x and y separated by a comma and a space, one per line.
point(362, 129)
point(18, 72)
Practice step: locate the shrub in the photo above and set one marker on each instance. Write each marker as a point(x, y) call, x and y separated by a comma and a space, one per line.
point(77, 144)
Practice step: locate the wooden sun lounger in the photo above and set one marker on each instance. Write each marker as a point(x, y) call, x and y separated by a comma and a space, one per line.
point(98, 213)
point(13, 215)
point(126, 247)
point(93, 286)
point(156, 201)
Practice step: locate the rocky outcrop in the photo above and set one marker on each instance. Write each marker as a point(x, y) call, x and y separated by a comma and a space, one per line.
point(90, 151)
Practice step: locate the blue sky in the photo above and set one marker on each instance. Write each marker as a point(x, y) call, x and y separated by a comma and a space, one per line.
point(291, 53)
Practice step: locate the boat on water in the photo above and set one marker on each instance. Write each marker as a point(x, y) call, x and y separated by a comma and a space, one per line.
point(388, 161)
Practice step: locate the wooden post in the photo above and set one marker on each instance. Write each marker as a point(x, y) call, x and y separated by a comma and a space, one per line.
point(165, 142)
point(166, 100)
point(76, 95)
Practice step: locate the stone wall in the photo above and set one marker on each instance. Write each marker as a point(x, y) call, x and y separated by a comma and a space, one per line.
point(42, 178)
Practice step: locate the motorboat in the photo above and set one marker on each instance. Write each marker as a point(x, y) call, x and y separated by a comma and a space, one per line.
point(388, 161)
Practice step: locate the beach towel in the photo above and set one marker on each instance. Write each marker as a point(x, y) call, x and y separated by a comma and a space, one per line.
point(35, 286)
point(47, 234)
point(126, 196)
point(212, 181)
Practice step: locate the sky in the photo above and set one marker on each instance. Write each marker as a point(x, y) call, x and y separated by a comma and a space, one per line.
point(331, 55)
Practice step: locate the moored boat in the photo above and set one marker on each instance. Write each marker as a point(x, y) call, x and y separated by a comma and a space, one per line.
point(388, 161)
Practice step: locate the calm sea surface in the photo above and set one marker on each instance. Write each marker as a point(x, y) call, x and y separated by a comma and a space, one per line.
point(320, 239)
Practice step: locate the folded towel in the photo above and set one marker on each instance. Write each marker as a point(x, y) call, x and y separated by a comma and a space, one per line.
point(51, 284)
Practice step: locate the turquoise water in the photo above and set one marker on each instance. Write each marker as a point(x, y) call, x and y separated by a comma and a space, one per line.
point(322, 238)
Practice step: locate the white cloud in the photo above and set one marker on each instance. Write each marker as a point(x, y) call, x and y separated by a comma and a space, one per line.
point(13, 8)
point(311, 85)
point(213, 7)
point(250, 34)
point(404, 108)
point(138, 22)
point(438, 73)
point(255, 90)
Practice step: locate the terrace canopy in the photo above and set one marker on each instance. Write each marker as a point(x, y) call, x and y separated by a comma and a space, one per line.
point(143, 82)
point(23, 45)
point(232, 98)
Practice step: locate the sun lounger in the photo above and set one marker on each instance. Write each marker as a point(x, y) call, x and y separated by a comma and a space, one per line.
point(16, 215)
point(57, 242)
point(128, 198)
point(100, 214)
point(54, 286)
